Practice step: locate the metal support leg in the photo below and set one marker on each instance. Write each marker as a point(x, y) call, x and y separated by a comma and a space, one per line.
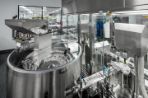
point(136, 78)
point(140, 84)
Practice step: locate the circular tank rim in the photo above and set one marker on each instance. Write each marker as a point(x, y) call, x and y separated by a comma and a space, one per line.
point(16, 69)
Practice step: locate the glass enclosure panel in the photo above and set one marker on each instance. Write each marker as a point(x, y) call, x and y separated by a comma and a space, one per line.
point(69, 23)
point(51, 14)
point(28, 12)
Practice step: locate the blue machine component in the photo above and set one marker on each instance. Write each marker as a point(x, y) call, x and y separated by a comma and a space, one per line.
point(106, 70)
point(100, 29)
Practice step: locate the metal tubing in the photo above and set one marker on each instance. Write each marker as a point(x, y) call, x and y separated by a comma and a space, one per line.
point(90, 35)
point(136, 78)
point(141, 76)
point(139, 81)
point(78, 28)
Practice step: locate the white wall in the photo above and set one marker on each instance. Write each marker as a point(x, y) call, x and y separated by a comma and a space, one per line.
point(8, 8)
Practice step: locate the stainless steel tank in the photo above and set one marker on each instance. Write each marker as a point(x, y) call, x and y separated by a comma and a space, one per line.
point(41, 66)
point(45, 83)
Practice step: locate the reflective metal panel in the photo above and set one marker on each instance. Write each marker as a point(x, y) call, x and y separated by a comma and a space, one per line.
point(93, 6)
point(34, 84)
point(132, 38)
point(47, 83)
point(106, 5)
point(130, 3)
point(25, 25)
point(136, 5)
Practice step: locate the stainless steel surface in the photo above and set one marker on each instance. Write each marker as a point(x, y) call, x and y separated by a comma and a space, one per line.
point(47, 83)
point(96, 77)
point(130, 3)
point(140, 81)
point(25, 25)
point(79, 28)
point(93, 6)
point(44, 71)
point(73, 68)
point(132, 38)
point(34, 84)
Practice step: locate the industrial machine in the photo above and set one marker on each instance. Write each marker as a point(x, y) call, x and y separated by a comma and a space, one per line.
point(136, 37)
point(46, 65)
point(92, 56)
point(128, 41)
point(41, 66)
